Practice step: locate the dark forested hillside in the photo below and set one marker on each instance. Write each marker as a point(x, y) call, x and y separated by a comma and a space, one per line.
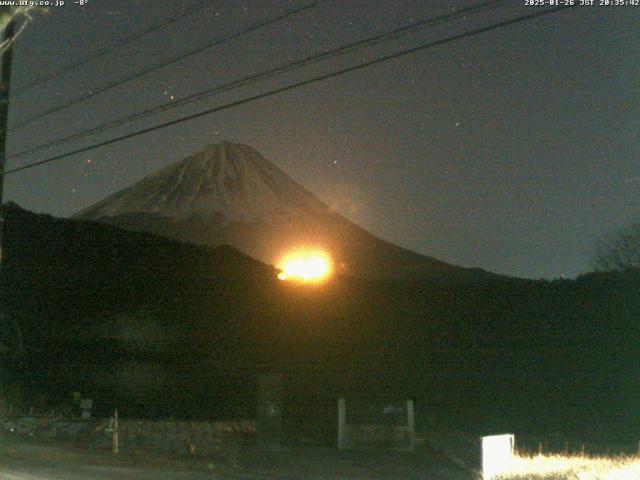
point(162, 328)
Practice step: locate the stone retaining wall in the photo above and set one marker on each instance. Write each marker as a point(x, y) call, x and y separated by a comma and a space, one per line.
point(168, 436)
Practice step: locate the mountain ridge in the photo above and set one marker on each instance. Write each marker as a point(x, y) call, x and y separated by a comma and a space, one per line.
point(228, 193)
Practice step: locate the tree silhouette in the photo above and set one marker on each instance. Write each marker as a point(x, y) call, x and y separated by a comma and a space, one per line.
point(619, 251)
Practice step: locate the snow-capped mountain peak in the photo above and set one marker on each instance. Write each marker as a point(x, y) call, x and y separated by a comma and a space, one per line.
point(227, 180)
point(228, 194)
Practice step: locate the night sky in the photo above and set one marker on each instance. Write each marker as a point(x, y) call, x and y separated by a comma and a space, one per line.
point(511, 150)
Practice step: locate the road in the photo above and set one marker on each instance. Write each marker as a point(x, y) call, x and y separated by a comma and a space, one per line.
point(23, 469)
point(14, 469)
point(23, 461)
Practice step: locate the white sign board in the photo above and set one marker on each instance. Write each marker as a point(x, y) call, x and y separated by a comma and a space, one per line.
point(497, 455)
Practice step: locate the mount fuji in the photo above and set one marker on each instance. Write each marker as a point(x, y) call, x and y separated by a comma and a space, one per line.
point(230, 194)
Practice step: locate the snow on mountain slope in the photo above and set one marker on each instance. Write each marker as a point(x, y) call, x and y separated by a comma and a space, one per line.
point(228, 180)
point(229, 194)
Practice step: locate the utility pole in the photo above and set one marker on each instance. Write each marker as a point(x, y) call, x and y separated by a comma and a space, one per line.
point(5, 78)
point(5, 81)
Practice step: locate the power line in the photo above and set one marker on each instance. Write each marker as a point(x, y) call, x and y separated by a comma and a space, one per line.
point(171, 61)
point(281, 69)
point(277, 91)
point(104, 51)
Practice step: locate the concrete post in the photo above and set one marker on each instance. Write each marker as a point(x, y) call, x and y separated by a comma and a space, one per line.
point(115, 438)
point(342, 420)
point(411, 425)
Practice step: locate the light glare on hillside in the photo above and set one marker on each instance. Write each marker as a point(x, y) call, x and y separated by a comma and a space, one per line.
point(306, 266)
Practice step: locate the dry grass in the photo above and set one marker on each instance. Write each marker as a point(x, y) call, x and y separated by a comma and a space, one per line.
point(557, 467)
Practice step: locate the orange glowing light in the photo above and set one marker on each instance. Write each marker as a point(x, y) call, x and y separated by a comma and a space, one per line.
point(306, 266)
